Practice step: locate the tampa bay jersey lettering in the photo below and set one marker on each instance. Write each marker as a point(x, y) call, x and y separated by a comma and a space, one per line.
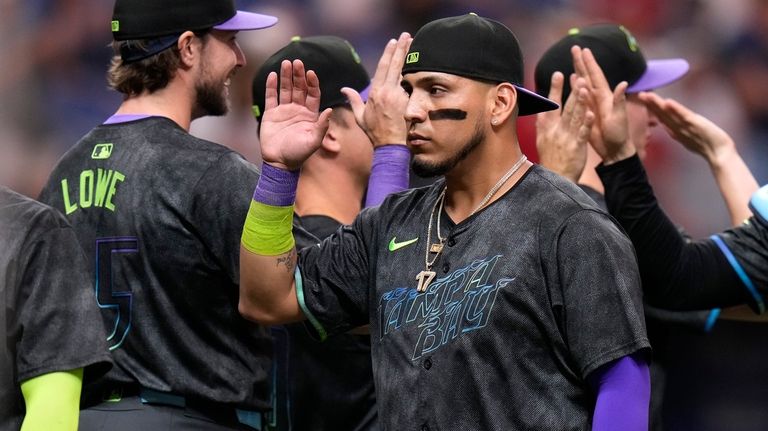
point(453, 305)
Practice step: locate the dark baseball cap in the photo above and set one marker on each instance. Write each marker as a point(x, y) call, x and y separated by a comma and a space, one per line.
point(148, 19)
point(618, 54)
point(333, 59)
point(477, 48)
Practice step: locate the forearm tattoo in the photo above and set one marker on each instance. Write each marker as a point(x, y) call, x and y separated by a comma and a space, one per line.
point(288, 260)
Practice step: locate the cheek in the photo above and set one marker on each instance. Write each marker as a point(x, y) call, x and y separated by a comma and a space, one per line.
point(638, 123)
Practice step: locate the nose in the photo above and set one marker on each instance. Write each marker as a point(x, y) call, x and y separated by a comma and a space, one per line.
point(239, 56)
point(414, 111)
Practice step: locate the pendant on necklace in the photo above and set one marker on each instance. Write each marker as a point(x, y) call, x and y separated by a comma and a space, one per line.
point(424, 277)
point(436, 248)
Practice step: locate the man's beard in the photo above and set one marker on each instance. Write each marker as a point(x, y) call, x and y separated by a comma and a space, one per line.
point(427, 169)
point(210, 99)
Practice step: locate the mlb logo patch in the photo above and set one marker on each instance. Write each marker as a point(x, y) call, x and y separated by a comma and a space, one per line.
point(101, 151)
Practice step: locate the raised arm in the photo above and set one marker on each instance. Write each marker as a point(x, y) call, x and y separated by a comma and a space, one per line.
point(705, 138)
point(291, 130)
point(381, 118)
point(562, 137)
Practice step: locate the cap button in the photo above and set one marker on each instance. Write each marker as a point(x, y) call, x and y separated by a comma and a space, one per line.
point(295, 38)
point(472, 13)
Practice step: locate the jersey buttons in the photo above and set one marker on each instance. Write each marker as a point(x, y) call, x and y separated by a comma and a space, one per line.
point(428, 363)
point(446, 268)
point(451, 242)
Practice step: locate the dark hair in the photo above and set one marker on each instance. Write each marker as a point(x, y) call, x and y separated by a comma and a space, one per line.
point(150, 74)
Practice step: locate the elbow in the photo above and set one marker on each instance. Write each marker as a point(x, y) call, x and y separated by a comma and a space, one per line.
point(262, 314)
point(253, 312)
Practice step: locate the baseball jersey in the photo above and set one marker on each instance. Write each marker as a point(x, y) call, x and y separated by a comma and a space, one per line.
point(49, 320)
point(746, 250)
point(727, 269)
point(533, 293)
point(160, 214)
point(329, 384)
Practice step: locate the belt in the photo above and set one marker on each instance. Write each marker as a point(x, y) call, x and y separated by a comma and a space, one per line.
point(219, 412)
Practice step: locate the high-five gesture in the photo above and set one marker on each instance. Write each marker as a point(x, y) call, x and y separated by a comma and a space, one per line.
point(562, 138)
point(610, 134)
point(707, 139)
point(382, 116)
point(291, 129)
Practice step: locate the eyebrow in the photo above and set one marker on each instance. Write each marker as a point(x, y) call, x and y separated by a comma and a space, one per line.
point(428, 80)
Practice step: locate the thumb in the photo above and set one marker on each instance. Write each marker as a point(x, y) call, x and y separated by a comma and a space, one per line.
point(356, 103)
point(321, 126)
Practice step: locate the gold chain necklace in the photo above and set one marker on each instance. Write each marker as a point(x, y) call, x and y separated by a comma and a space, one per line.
point(425, 277)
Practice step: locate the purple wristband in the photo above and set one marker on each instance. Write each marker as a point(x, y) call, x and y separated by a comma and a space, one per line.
point(389, 173)
point(276, 187)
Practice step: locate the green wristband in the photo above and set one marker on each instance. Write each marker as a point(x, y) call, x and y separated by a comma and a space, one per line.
point(268, 229)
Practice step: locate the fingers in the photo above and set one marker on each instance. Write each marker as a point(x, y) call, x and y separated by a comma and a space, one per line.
point(578, 64)
point(659, 106)
point(579, 108)
point(356, 103)
point(595, 73)
point(312, 100)
point(299, 90)
point(585, 130)
point(286, 83)
point(556, 87)
point(619, 93)
point(270, 95)
point(321, 126)
point(577, 83)
point(398, 59)
point(296, 86)
point(382, 69)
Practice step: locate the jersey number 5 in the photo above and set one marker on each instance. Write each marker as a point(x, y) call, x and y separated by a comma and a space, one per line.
point(108, 295)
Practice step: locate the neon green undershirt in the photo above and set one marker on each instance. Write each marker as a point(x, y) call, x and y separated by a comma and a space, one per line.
point(53, 401)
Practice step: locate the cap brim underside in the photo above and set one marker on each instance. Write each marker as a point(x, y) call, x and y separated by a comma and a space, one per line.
point(531, 103)
point(247, 21)
point(660, 73)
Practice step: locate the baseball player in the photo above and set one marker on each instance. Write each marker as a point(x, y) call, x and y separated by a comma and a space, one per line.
point(335, 375)
point(724, 270)
point(619, 58)
point(159, 214)
point(499, 298)
point(50, 332)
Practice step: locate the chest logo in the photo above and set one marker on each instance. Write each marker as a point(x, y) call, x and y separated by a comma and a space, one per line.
point(394, 245)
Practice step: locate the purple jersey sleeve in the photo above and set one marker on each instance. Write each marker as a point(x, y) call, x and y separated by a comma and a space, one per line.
point(623, 394)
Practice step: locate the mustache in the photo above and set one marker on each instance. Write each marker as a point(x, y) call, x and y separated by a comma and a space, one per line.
point(447, 114)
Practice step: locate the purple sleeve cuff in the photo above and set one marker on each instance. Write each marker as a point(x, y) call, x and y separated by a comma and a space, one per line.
point(276, 187)
point(389, 173)
point(623, 394)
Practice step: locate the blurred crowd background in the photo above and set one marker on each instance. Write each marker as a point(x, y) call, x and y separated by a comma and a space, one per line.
point(55, 53)
point(54, 56)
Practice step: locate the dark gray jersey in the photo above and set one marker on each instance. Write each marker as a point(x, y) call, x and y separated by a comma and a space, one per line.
point(160, 214)
point(533, 293)
point(746, 249)
point(48, 316)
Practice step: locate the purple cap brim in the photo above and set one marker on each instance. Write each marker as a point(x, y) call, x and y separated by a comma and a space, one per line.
point(660, 73)
point(247, 21)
